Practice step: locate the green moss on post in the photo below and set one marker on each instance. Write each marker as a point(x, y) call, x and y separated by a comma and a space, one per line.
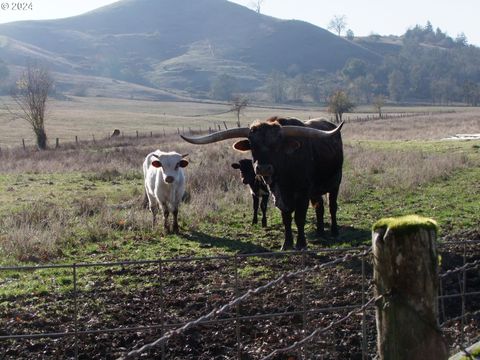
point(405, 225)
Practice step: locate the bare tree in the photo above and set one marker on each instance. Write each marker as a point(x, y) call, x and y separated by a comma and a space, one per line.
point(378, 103)
point(30, 95)
point(257, 5)
point(339, 103)
point(338, 24)
point(239, 104)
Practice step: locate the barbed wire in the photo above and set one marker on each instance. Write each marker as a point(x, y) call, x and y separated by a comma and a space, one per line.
point(319, 331)
point(452, 320)
point(467, 266)
point(218, 311)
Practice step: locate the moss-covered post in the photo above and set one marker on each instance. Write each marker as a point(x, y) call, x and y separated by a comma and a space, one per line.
point(406, 280)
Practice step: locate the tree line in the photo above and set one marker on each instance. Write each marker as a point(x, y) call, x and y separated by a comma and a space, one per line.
point(428, 67)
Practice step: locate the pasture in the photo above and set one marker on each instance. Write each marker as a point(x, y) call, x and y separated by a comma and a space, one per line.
point(82, 202)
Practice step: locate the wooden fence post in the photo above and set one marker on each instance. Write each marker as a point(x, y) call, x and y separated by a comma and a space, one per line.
point(76, 139)
point(406, 279)
point(23, 142)
point(57, 143)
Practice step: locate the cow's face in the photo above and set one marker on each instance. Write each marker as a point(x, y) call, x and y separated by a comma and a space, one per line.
point(170, 163)
point(246, 170)
point(268, 148)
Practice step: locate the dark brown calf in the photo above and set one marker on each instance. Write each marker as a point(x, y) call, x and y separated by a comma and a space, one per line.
point(258, 189)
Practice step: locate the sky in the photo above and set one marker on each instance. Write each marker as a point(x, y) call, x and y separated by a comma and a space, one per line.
point(383, 17)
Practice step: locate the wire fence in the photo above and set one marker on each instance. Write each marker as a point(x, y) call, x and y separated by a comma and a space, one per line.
point(222, 306)
point(208, 127)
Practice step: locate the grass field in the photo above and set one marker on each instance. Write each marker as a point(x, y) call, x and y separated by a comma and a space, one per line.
point(83, 203)
point(84, 117)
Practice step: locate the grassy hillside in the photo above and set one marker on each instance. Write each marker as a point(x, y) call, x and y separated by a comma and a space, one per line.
point(178, 44)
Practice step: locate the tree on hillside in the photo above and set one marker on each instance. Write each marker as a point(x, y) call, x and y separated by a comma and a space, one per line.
point(349, 34)
point(354, 68)
point(397, 85)
point(378, 103)
point(276, 85)
point(461, 40)
point(471, 93)
point(31, 95)
point(257, 5)
point(339, 103)
point(223, 87)
point(338, 24)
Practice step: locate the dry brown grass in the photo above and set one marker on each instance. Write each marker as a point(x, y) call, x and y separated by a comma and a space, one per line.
point(424, 127)
point(36, 233)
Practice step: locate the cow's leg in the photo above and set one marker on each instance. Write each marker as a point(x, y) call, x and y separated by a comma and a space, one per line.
point(145, 202)
point(175, 221)
point(287, 223)
point(153, 207)
point(255, 209)
point(319, 212)
point(332, 202)
point(166, 213)
point(263, 206)
point(154, 211)
point(300, 218)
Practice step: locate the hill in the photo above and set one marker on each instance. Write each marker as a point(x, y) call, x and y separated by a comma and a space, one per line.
point(178, 44)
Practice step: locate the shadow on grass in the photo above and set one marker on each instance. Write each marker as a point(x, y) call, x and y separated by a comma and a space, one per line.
point(349, 236)
point(240, 246)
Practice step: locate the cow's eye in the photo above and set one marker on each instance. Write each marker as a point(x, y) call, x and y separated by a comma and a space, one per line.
point(156, 164)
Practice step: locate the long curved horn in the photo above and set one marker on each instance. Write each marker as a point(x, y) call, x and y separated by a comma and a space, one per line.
point(218, 136)
point(304, 131)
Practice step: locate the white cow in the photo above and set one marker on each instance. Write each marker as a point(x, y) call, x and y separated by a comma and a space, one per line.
point(165, 184)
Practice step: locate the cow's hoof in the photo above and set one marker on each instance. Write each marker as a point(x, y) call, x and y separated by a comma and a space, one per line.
point(264, 223)
point(175, 230)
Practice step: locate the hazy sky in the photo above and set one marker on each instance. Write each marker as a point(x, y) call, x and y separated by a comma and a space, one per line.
point(363, 17)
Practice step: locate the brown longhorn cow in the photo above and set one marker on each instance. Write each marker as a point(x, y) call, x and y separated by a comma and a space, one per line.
point(300, 162)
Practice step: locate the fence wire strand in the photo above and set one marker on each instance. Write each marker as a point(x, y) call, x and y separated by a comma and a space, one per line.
point(322, 330)
point(468, 266)
point(218, 311)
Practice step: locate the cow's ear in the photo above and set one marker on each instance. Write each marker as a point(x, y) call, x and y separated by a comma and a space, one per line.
point(290, 146)
point(156, 163)
point(236, 165)
point(242, 145)
point(183, 163)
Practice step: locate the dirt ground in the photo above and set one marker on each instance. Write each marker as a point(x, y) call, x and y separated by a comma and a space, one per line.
point(187, 290)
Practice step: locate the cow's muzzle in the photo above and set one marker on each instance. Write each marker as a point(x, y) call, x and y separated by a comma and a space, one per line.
point(169, 179)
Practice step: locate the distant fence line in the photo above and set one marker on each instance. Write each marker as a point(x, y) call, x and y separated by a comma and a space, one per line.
point(210, 128)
